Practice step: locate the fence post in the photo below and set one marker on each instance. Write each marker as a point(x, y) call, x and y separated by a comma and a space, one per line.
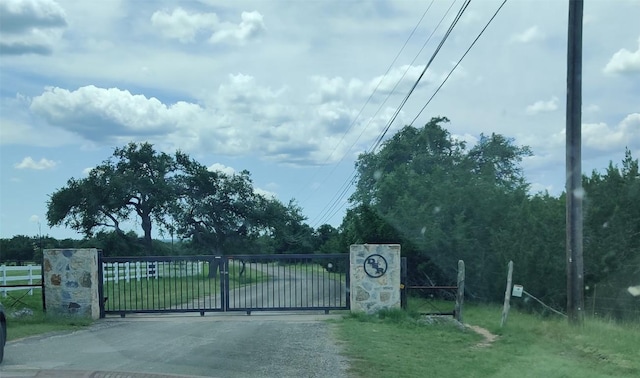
point(507, 296)
point(30, 278)
point(3, 269)
point(138, 271)
point(460, 294)
point(101, 279)
point(403, 282)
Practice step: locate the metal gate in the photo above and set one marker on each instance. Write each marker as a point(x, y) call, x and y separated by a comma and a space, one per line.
point(223, 283)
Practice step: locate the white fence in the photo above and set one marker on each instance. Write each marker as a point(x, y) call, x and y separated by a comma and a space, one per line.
point(127, 271)
point(17, 275)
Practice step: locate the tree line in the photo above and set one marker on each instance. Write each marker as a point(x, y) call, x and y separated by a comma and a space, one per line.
point(445, 202)
point(424, 189)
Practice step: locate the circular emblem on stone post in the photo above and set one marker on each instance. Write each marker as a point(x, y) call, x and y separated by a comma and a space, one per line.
point(375, 266)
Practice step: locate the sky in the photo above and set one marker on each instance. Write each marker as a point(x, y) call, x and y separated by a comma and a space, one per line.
point(294, 91)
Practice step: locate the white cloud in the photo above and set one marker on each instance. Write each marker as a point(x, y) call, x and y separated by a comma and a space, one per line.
point(86, 171)
point(251, 27)
point(217, 167)
point(531, 34)
point(29, 163)
point(182, 25)
point(398, 79)
point(592, 108)
point(29, 26)
point(18, 16)
point(265, 193)
point(468, 139)
point(624, 62)
point(101, 114)
point(543, 106)
point(186, 27)
point(603, 137)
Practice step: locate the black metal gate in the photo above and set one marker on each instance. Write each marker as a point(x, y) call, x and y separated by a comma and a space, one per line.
point(224, 283)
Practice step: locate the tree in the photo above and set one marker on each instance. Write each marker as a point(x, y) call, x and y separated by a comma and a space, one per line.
point(442, 201)
point(327, 240)
point(136, 179)
point(218, 213)
point(612, 236)
point(286, 230)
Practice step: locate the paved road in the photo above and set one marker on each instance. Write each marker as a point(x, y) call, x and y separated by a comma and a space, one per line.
point(219, 345)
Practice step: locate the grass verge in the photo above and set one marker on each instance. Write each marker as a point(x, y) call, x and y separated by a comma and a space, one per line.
point(20, 326)
point(396, 344)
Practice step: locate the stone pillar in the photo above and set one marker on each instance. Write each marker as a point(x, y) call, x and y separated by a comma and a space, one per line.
point(374, 277)
point(71, 282)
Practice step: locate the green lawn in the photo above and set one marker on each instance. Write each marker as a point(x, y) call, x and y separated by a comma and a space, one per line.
point(529, 346)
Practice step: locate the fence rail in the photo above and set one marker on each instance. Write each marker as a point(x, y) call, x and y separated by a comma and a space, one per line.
point(139, 270)
point(12, 279)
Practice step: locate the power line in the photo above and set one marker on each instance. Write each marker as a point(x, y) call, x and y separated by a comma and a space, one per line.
point(459, 61)
point(369, 99)
point(351, 179)
point(326, 213)
point(433, 56)
point(334, 202)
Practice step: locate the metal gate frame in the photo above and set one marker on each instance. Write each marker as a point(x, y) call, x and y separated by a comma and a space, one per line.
point(239, 283)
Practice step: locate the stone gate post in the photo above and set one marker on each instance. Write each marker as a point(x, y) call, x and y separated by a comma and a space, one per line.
point(374, 277)
point(71, 282)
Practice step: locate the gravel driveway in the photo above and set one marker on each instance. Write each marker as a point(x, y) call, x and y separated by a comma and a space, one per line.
point(219, 345)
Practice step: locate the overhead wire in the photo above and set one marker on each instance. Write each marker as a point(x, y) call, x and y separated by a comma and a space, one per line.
point(351, 180)
point(459, 61)
point(463, 8)
point(353, 123)
point(342, 192)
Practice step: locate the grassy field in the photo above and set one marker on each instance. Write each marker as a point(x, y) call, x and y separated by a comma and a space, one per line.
point(394, 344)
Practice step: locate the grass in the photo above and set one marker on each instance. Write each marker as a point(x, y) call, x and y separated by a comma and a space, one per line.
point(24, 326)
point(395, 344)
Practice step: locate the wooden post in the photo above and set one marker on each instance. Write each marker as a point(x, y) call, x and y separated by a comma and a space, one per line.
point(460, 294)
point(593, 305)
point(507, 296)
point(575, 192)
point(403, 283)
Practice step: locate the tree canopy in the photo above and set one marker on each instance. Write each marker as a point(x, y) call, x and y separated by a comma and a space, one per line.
point(215, 212)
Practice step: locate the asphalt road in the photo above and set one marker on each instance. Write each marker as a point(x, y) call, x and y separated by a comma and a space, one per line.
point(218, 345)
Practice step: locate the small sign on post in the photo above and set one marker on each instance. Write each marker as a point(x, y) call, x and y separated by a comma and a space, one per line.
point(517, 291)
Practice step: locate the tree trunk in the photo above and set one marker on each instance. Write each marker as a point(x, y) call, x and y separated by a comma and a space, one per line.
point(146, 227)
point(214, 266)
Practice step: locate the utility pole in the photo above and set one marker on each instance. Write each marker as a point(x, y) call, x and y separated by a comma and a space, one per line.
point(575, 192)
